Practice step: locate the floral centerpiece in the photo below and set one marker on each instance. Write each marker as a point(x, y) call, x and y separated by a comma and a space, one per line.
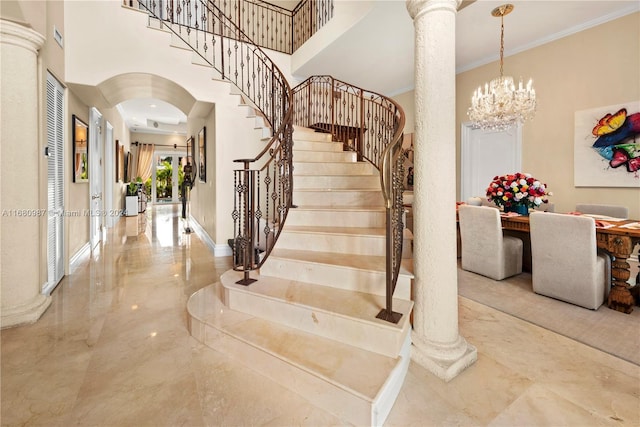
point(518, 190)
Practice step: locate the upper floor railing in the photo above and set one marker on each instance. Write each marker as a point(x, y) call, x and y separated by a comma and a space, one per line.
point(267, 25)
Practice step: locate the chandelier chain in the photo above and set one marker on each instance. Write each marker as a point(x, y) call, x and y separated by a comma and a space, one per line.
point(501, 44)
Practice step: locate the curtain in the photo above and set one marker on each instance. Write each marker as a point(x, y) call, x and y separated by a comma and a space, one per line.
point(145, 158)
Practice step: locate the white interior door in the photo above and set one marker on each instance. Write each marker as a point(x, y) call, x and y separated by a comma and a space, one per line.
point(55, 184)
point(109, 175)
point(485, 154)
point(95, 177)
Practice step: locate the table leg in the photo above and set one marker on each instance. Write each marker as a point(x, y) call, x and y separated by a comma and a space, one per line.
point(620, 297)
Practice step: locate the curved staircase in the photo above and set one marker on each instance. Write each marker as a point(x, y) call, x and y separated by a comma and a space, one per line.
point(309, 321)
point(316, 313)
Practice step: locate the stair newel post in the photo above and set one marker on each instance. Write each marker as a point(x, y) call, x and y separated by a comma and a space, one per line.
point(387, 313)
point(361, 130)
point(247, 190)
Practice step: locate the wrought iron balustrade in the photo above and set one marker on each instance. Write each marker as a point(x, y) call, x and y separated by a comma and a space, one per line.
point(371, 125)
point(262, 194)
point(367, 123)
point(267, 25)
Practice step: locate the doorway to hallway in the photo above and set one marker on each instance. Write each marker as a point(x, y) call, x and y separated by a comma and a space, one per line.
point(167, 176)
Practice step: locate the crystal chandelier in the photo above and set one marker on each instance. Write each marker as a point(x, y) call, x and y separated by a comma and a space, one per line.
point(501, 105)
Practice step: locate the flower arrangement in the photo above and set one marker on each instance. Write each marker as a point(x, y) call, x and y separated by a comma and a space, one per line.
point(518, 189)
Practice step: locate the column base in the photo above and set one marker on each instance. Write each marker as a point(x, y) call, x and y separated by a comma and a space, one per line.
point(445, 361)
point(25, 314)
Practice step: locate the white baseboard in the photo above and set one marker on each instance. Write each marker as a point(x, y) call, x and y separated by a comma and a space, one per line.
point(47, 288)
point(75, 259)
point(218, 250)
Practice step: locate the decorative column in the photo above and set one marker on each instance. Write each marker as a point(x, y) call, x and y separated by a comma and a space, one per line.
point(436, 343)
point(21, 300)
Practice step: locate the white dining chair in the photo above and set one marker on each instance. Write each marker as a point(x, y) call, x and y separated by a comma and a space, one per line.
point(545, 207)
point(614, 211)
point(565, 262)
point(484, 248)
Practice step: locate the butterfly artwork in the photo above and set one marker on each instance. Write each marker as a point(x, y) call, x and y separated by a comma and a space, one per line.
point(623, 157)
point(616, 139)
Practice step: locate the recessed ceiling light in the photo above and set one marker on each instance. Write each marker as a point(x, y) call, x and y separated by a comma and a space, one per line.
point(152, 105)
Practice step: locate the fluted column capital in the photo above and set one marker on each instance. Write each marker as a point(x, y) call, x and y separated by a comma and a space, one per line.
point(419, 7)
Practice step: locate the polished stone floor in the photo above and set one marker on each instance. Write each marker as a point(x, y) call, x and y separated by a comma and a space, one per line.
point(113, 350)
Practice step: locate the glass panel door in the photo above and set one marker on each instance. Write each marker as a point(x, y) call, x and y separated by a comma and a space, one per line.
point(164, 179)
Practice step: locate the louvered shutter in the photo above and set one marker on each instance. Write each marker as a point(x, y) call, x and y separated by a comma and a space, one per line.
point(55, 183)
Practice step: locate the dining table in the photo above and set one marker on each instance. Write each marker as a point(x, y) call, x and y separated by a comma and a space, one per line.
point(618, 238)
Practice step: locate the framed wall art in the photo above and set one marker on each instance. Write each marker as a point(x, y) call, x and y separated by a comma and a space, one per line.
point(120, 162)
point(607, 146)
point(80, 150)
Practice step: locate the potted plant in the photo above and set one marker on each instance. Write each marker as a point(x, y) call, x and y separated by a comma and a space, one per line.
point(131, 201)
point(132, 189)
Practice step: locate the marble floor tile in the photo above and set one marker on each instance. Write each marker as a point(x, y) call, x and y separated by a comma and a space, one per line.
point(114, 349)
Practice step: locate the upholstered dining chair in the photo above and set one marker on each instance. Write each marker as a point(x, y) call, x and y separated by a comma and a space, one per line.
point(480, 201)
point(615, 211)
point(485, 250)
point(565, 263)
point(546, 207)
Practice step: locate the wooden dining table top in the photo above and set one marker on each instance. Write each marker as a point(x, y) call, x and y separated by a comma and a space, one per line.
point(617, 227)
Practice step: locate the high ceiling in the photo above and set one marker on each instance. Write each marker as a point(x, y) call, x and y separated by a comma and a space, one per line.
point(377, 53)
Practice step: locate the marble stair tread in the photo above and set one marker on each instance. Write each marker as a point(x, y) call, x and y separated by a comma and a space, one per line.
point(347, 164)
point(342, 208)
point(360, 371)
point(340, 190)
point(368, 263)
point(358, 231)
point(357, 306)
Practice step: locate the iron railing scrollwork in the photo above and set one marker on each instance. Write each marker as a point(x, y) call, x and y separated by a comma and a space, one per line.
point(367, 123)
point(262, 194)
point(371, 125)
point(268, 25)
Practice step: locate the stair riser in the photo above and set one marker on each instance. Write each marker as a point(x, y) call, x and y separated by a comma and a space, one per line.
point(324, 156)
point(335, 181)
point(310, 136)
point(314, 168)
point(350, 279)
point(304, 145)
point(319, 392)
point(327, 218)
point(338, 198)
point(334, 243)
point(388, 341)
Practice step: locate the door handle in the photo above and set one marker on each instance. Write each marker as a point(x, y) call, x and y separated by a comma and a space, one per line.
point(96, 196)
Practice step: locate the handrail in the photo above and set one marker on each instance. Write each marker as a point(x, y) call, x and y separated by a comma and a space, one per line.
point(226, 48)
point(268, 25)
point(371, 125)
